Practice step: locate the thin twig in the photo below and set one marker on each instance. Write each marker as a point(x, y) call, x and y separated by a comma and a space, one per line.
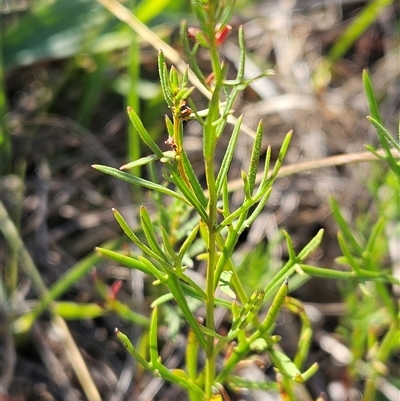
point(331, 161)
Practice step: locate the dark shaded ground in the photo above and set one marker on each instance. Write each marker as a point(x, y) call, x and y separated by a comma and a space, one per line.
point(66, 204)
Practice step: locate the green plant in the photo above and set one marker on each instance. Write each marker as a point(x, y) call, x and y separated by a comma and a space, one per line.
point(200, 222)
point(372, 322)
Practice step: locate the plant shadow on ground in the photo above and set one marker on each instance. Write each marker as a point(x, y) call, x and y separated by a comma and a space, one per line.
point(64, 112)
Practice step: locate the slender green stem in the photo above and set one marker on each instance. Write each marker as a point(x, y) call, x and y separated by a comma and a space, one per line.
point(132, 98)
point(210, 139)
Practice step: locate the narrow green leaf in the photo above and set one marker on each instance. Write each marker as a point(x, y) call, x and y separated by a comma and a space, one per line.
point(310, 372)
point(242, 210)
point(259, 208)
point(347, 254)
point(188, 241)
point(194, 181)
point(311, 246)
point(386, 140)
point(227, 8)
point(175, 287)
point(130, 262)
point(290, 247)
point(164, 80)
point(248, 311)
point(146, 137)
point(371, 99)
point(132, 236)
point(274, 309)
point(284, 364)
point(246, 185)
point(255, 156)
point(376, 231)
point(242, 59)
point(131, 349)
point(327, 273)
point(167, 245)
point(225, 197)
point(282, 153)
point(226, 162)
point(140, 162)
point(139, 181)
point(153, 343)
point(266, 168)
point(148, 229)
point(173, 80)
point(344, 227)
point(170, 126)
point(126, 313)
point(183, 94)
point(384, 133)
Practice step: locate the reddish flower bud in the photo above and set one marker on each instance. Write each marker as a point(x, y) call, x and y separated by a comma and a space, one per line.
point(198, 36)
point(222, 33)
point(192, 32)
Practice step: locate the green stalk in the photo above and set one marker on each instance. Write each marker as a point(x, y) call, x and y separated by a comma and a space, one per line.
point(132, 98)
point(210, 139)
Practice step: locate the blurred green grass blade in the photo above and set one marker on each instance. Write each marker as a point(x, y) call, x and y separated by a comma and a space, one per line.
point(91, 95)
point(75, 311)
point(386, 140)
point(347, 254)
point(384, 133)
point(132, 99)
point(356, 28)
point(374, 237)
point(5, 137)
point(146, 10)
point(371, 98)
point(344, 227)
point(128, 314)
point(64, 283)
point(52, 30)
point(11, 234)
